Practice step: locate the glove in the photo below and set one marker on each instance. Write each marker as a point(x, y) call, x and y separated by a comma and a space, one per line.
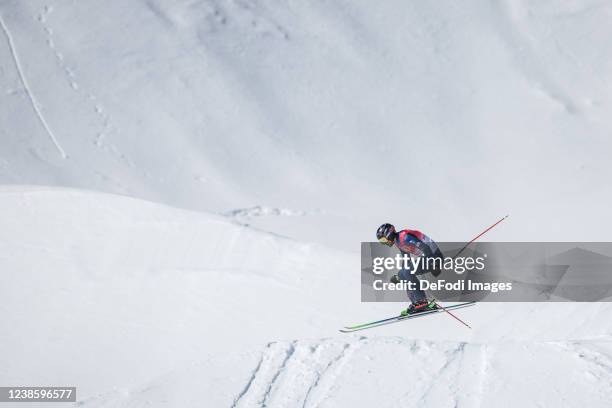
point(395, 279)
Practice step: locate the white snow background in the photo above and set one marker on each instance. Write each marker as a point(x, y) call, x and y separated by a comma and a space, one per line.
point(186, 183)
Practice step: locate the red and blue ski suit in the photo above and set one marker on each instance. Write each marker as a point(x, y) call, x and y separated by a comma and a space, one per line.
point(416, 243)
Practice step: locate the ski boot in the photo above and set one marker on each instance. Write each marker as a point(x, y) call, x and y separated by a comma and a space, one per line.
point(418, 307)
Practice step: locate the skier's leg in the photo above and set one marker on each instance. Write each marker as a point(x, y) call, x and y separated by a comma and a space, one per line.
point(439, 256)
point(416, 295)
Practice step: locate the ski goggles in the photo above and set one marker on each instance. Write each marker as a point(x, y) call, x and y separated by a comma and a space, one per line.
point(385, 241)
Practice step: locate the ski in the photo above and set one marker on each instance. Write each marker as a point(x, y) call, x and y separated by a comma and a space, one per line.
point(395, 319)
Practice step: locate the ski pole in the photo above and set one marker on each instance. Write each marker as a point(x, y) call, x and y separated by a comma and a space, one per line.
point(459, 253)
point(480, 235)
point(452, 315)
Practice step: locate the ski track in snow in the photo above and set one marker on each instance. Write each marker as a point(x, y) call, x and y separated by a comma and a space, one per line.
point(106, 127)
point(330, 372)
point(305, 373)
point(296, 374)
point(587, 351)
point(453, 363)
point(28, 91)
point(484, 368)
point(251, 379)
point(319, 391)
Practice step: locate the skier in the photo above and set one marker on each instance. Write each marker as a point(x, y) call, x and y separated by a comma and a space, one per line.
point(416, 243)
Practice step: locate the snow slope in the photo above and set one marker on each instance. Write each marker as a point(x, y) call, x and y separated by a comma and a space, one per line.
point(375, 371)
point(352, 110)
point(140, 304)
point(294, 129)
point(94, 284)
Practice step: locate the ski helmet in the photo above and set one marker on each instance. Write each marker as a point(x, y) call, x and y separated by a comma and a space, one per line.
point(386, 234)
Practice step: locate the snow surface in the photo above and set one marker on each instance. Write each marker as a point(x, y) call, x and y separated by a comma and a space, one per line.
point(438, 115)
point(294, 129)
point(141, 304)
